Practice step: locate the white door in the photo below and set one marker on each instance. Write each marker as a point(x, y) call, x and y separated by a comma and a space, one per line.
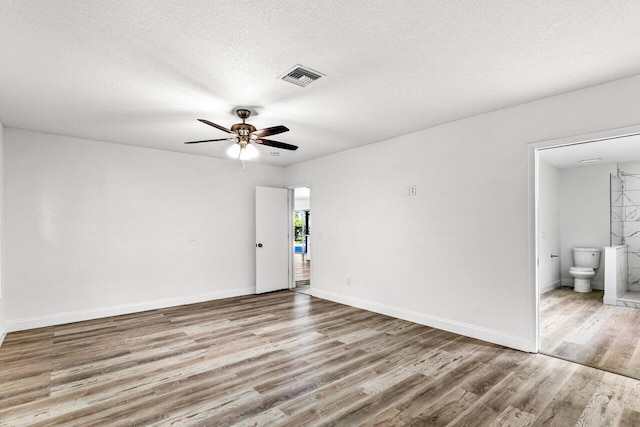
point(272, 240)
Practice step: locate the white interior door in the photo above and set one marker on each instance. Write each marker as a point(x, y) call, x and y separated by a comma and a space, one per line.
point(272, 239)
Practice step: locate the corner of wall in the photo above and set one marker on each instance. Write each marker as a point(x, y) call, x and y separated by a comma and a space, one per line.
point(14, 325)
point(3, 323)
point(466, 329)
point(3, 331)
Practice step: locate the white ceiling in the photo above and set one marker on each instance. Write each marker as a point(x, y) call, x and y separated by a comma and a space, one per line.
point(613, 150)
point(142, 72)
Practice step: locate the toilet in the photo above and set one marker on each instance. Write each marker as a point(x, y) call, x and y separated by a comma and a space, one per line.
point(586, 262)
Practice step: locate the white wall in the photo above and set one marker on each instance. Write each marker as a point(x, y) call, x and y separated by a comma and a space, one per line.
point(584, 215)
point(456, 255)
point(548, 226)
point(630, 167)
point(630, 213)
point(2, 244)
point(95, 229)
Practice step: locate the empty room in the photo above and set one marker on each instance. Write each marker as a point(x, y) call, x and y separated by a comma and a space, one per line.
point(239, 213)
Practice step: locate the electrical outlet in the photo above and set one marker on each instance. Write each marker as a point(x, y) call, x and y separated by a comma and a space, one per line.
point(348, 281)
point(412, 190)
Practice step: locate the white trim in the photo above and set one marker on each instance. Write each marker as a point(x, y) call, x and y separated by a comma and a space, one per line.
point(587, 137)
point(550, 285)
point(598, 285)
point(567, 282)
point(466, 329)
point(609, 301)
point(3, 334)
point(534, 311)
point(292, 231)
point(97, 313)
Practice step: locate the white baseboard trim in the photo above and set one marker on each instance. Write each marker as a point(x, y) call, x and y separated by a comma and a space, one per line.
point(3, 334)
point(597, 284)
point(466, 329)
point(567, 282)
point(551, 285)
point(14, 325)
point(609, 301)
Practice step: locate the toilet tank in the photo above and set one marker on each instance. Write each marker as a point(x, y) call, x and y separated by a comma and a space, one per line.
point(586, 257)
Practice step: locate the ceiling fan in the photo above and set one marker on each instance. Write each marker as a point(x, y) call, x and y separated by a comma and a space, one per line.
point(245, 135)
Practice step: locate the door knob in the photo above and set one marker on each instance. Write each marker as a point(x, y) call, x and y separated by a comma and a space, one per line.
point(259, 245)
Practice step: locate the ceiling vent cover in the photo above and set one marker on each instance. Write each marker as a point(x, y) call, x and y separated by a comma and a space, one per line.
point(301, 76)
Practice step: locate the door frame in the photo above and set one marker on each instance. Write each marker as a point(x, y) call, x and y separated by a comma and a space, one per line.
point(533, 150)
point(292, 233)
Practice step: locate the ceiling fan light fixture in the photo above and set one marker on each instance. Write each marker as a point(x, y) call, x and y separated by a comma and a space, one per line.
point(234, 151)
point(248, 152)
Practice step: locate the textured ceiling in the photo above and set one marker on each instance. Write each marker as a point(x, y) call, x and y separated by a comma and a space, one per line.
point(142, 72)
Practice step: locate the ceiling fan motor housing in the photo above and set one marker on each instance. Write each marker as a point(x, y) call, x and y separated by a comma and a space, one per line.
point(243, 113)
point(243, 129)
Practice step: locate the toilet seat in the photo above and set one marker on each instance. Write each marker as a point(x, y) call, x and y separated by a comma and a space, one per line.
point(581, 269)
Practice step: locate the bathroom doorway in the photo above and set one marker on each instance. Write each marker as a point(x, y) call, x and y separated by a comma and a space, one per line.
point(302, 253)
point(577, 207)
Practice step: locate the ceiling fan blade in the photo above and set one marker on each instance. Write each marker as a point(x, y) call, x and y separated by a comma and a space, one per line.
point(209, 140)
point(222, 128)
point(276, 144)
point(269, 131)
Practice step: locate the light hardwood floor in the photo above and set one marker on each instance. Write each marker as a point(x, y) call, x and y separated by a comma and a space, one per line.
point(290, 359)
point(302, 274)
point(579, 327)
point(301, 267)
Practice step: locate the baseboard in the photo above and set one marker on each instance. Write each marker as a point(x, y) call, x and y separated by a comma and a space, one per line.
point(3, 333)
point(81, 315)
point(466, 329)
point(609, 301)
point(597, 284)
point(550, 286)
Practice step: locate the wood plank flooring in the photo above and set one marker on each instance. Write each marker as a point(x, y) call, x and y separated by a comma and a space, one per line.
point(301, 267)
point(580, 328)
point(288, 359)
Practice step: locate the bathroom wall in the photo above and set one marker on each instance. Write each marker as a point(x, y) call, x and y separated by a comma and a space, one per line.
point(617, 212)
point(584, 215)
point(548, 226)
point(629, 172)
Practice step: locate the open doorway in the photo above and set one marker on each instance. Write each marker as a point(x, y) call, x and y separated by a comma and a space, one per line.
point(302, 240)
point(588, 205)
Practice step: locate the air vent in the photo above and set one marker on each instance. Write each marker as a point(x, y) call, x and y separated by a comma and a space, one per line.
point(301, 76)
